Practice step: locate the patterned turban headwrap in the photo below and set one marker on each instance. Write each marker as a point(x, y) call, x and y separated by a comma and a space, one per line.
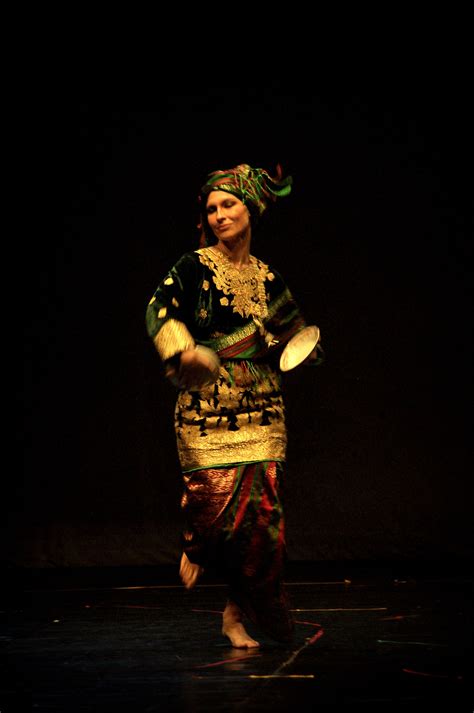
point(254, 185)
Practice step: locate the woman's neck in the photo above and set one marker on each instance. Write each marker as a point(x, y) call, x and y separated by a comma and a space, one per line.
point(238, 251)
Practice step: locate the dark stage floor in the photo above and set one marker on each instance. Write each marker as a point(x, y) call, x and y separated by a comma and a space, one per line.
point(367, 637)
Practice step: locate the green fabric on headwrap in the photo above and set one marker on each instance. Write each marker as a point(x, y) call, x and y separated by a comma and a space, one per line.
point(249, 184)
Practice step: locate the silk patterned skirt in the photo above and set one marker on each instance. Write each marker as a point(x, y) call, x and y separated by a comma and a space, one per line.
point(234, 523)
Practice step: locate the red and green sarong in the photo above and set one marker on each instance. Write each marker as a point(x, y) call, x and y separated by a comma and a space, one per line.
point(235, 524)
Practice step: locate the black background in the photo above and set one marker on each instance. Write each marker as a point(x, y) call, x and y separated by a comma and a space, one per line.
point(375, 244)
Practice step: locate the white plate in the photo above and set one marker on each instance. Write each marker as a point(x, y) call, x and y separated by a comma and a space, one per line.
point(299, 347)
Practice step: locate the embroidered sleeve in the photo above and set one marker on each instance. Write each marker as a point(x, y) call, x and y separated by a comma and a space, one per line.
point(167, 314)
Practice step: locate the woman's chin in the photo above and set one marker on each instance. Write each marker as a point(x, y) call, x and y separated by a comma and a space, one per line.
point(230, 238)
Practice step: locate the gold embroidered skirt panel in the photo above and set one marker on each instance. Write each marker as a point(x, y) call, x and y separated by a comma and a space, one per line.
point(238, 419)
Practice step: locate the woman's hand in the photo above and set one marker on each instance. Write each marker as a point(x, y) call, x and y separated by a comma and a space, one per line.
point(311, 358)
point(197, 368)
point(316, 356)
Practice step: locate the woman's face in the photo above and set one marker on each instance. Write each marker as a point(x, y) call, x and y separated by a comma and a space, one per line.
point(227, 216)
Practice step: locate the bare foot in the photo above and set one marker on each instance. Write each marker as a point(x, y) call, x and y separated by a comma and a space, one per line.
point(233, 628)
point(189, 572)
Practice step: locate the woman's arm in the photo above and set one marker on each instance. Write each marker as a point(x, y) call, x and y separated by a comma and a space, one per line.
point(169, 313)
point(169, 320)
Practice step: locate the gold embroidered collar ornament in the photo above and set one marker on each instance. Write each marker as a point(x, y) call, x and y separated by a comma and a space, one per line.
point(243, 289)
